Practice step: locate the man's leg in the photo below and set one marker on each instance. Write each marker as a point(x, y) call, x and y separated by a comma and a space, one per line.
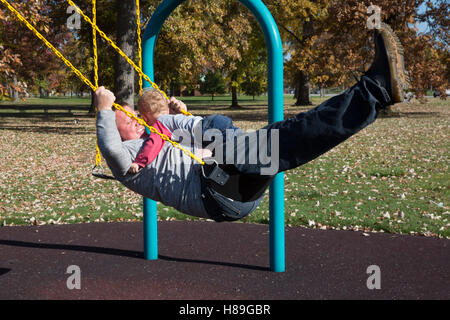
point(311, 134)
point(301, 139)
point(218, 122)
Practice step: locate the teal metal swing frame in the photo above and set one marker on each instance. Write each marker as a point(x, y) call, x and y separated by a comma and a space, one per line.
point(275, 105)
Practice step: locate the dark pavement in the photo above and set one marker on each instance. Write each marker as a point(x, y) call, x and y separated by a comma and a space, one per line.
point(205, 260)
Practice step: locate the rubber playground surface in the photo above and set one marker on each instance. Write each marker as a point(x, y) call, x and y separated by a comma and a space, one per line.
point(218, 261)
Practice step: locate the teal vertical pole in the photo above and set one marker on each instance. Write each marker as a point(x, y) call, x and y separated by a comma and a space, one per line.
point(275, 81)
point(150, 230)
point(148, 47)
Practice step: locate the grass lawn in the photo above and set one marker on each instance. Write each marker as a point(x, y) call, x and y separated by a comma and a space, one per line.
point(391, 177)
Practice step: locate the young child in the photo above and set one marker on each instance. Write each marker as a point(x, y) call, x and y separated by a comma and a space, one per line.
point(151, 105)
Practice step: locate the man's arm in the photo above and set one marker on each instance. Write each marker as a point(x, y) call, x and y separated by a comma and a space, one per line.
point(110, 142)
point(108, 137)
point(104, 99)
point(179, 122)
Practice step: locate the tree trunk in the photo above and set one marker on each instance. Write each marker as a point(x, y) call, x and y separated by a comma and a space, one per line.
point(41, 92)
point(92, 106)
point(302, 89)
point(15, 95)
point(126, 41)
point(9, 91)
point(234, 98)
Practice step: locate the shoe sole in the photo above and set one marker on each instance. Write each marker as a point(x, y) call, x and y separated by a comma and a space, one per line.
point(399, 76)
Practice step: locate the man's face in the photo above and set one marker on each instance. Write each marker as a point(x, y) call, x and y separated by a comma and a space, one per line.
point(129, 128)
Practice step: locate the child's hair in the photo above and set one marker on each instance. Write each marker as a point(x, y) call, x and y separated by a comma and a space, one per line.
point(152, 102)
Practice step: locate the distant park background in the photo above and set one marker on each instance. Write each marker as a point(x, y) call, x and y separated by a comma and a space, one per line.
point(391, 177)
point(215, 47)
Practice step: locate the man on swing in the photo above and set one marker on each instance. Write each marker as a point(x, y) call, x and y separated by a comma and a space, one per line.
point(227, 192)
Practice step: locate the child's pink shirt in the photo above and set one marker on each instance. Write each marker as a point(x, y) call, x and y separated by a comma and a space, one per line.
point(152, 145)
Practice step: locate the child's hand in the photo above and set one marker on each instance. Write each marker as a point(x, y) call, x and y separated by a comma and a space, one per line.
point(134, 168)
point(176, 106)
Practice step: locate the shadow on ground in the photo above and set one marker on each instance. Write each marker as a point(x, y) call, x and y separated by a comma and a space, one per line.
point(4, 271)
point(120, 253)
point(204, 260)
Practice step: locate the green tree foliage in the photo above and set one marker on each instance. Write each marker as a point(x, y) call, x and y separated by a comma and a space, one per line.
point(255, 75)
point(299, 23)
point(199, 36)
point(253, 86)
point(213, 83)
point(254, 64)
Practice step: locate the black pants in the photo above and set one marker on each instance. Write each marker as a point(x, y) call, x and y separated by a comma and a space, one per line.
point(312, 133)
point(300, 139)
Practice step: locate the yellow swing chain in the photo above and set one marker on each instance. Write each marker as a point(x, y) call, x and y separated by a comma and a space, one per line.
point(98, 155)
point(89, 83)
point(120, 52)
point(139, 41)
point(94, 41)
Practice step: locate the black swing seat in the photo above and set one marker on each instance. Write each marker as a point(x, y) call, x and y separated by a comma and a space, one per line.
point(99, 172)
point(229, 182)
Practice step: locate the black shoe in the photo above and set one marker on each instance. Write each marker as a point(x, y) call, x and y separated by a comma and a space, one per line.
point(388, 67)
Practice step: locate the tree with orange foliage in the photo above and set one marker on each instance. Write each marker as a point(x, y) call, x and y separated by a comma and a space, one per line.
point(300, 23)
point(349, 38)
point(25, 60)
point(330, 40)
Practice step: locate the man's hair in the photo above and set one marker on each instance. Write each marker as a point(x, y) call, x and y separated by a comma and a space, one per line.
point(152, 102)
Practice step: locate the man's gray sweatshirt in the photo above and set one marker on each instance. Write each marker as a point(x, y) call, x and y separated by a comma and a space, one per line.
point(172, 178)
